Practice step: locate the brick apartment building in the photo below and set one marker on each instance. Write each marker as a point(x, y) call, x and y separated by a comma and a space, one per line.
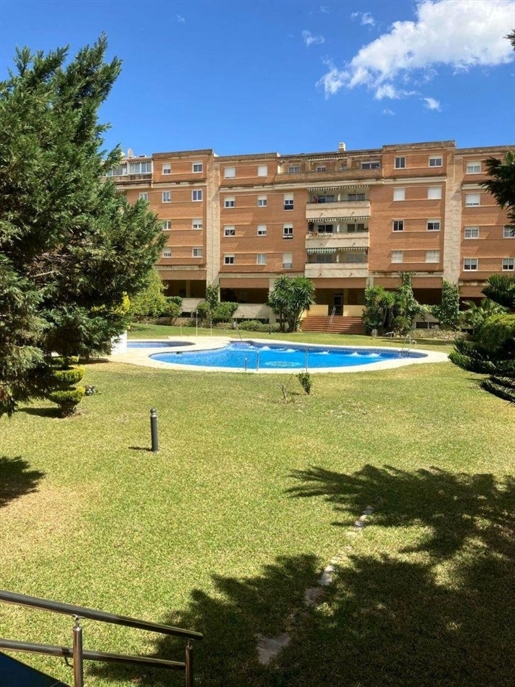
point(346, 219)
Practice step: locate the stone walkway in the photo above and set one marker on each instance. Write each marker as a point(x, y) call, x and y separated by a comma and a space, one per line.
point(270, 647)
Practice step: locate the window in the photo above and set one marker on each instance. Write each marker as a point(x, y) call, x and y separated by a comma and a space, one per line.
point(117, 171)
point(433, 225)
point(261, 229)
point(196, 195)
point(143, 196)
point(294, 169)
point(261, 259)
point(262, 201)
point(229, 202)
point(325, 228)
point(435, 161)
point(167, 253)
point(432, 256)
point(229, 231)
point(140, 168)
point(398, 225)
point(166, 225)
point(399, 194)
point(400, 163)
point(166, 168)
point(473, 168)
point(287, 261)
point(228, 259)
point(320, 168)
point(196, 224)
point(353, 197)
point(508, 231)
point(471, 232)
point(472, 200)
point(354, 257)
point(262, 171)
point(287, 231)
point(371, 165)
point(229, 172)
point(355, 228)
point(196, 252)
point(470, 264)
point(166, 196)
point(508, 264)
point(197, 167)
point(397, 256)
point(434, 193)
point(288, 201)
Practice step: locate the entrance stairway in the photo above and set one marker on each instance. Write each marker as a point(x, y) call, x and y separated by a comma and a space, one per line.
point(333, 324)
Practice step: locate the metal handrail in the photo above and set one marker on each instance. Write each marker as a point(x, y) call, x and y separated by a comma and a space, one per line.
point(66, 652)
point(92, 614)
point(79, 654)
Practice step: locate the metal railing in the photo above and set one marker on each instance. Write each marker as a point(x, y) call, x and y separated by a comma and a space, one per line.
point(78, 653)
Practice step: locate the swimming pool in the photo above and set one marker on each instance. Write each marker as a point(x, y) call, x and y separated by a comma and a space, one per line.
point(254, 356)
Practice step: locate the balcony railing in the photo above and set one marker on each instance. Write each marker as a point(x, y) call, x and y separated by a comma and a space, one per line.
point(337, 240)
point(338, 210)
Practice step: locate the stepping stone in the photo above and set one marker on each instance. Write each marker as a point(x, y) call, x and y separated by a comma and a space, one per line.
point(269, 647)
point(312, 595)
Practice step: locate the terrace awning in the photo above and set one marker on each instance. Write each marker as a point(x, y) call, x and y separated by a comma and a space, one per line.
point(327, 251)
point(333, 220)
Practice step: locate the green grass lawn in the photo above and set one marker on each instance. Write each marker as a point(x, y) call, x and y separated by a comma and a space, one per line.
point(245, 504)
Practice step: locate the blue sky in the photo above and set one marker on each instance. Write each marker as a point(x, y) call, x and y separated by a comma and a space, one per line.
point(289, 76)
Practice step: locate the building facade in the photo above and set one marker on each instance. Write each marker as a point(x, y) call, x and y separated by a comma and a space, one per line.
point(345, 219)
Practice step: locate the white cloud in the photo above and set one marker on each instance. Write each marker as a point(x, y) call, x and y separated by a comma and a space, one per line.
point(432, 104)
point(181, 19)
point(324, 9)
point(333, 80)
point(387, 111)
point(365, 18)
point(460, 34)
point(309, 39)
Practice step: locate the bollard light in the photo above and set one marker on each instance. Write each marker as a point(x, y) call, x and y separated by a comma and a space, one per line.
point(153, 430)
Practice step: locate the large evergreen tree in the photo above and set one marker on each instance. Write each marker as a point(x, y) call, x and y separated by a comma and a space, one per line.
point(71, 246)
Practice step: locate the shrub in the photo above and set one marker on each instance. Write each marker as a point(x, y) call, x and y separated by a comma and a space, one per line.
point(256, 326)
point(305, 381)
point(448, 312)
point(68, 377)
point(67, 399)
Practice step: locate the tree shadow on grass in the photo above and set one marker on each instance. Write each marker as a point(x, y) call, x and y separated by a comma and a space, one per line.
point(442, 619)
point(457, 507)
point(16, 479)
point(41, 412)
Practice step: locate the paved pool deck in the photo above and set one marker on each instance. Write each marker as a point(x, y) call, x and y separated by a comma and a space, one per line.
point(140, 356)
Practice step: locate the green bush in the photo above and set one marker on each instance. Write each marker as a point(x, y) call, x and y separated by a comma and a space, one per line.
point(67, 399)
point(224, 311)
point(68, 377)
point(256, 326)
point(305, 381)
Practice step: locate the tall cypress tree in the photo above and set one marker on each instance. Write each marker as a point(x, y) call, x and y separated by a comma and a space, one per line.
point(71, 246)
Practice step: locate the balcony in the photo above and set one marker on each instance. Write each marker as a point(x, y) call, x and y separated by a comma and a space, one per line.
point(336, 270)
point(352, 210)
point(343, 240)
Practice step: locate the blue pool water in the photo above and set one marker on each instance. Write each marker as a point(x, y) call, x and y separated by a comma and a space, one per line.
point(157, 344)
point(248, 355)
